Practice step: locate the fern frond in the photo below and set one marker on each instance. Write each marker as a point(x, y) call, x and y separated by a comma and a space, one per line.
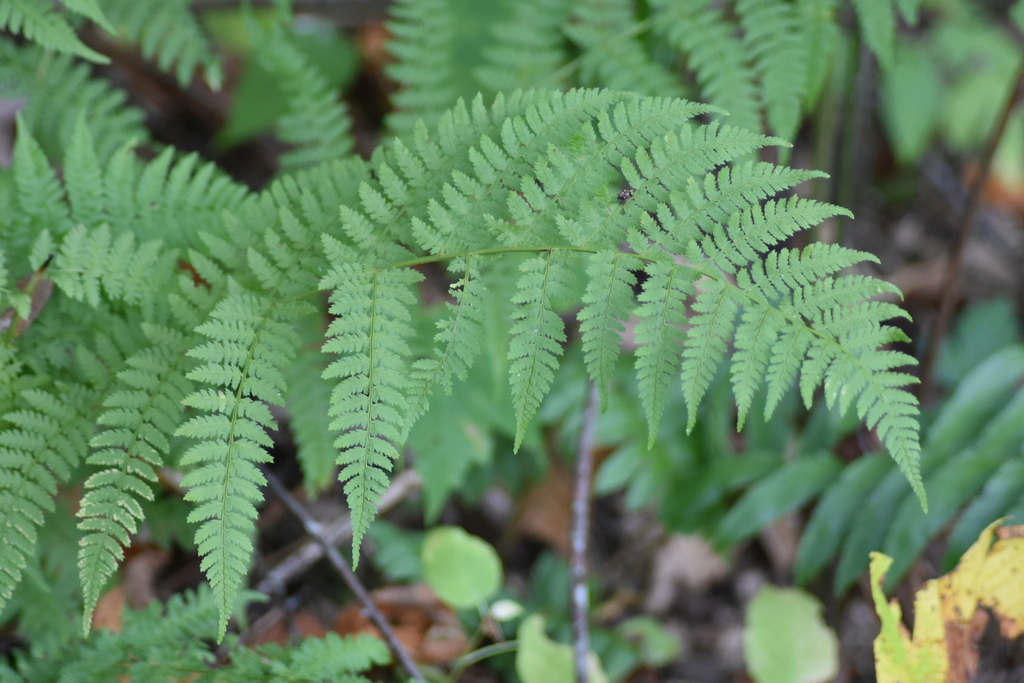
point(57, 92)
point(423, 31)
point(662, 314)
point(89, 260)
point(40, 197)
point(527, 48)
point(369, 403)
point(612, 56)
point(606, 305)
point(706, 341)
point(458, 338)
point(39, 22)
point(821, 35)
point(333, 658)
point(317, 122)
point(60, 90)
point(537, 336)
point(45, 440)
point(773, 41)
point(249, 345)
point(142, 411)
point(309, 400)
point(877, 20)
point(715, 53)
point(166, 30)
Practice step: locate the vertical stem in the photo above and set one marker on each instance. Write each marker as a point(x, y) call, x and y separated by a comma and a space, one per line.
point(580, 533)
point(940, 324)
point(314, 529)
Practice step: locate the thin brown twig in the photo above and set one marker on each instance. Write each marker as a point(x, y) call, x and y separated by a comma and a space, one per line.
point(335, 533)
point(941, 322)
point(581, 532)
point(316, 531)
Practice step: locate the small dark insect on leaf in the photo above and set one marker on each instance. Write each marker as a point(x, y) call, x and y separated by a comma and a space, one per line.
point(626, 195)
point(36, 286)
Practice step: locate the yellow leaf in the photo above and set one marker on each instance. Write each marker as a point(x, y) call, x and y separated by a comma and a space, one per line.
point(898, 658)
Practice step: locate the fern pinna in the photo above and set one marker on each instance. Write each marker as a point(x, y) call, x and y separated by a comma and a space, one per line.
point(622, 203)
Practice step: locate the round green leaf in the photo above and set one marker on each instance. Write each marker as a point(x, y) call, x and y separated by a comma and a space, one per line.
point(786, 640)
point(462, 569)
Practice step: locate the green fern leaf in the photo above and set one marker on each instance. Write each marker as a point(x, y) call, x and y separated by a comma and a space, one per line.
point(662, 314)
point(40, 196)
point(705, 343)
point(526, 49)
point(249, 345)
point(58, 92)
point(45, 440)
point(167, 31)
point(537, 336)
point(139, 416)
point(606, 304)
point(773, 42)
point(459, 336)
point(308, 403)
point(423, 31)
point(83, 178)
point(757, 332)
point(698, 30)
point(317, 122)
point(38, 22)
point(612, 56)
point(369, 403)
point(877, 21)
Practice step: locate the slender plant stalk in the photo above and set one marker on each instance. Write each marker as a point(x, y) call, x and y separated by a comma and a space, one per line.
point(581, 532)
point(337, 532)
point(941, 322)
point(316, 530)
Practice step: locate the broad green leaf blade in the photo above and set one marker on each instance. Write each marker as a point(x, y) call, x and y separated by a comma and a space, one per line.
point(1005, 488)
point(835, 513)
point(869, 527)
point(462, 569)
point(781, 492)
point(786, 639)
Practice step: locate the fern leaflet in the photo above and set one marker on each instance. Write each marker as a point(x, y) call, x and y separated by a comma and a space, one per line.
point(369, 403)
point(248, 346)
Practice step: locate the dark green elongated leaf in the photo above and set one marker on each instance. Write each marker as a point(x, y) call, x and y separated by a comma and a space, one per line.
point(1003, 490)
point(684, 511)
point(869, 528)
point(975, 401)
point(909, 533)
point(783, 491)
point(954, 483)
point(835, 513)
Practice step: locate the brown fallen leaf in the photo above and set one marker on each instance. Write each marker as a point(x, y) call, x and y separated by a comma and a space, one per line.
point(429, 629)
point(109, 610)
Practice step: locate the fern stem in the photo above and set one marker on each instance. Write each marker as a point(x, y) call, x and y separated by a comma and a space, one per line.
point(435, 258)
point(316, 530)
point(580, 533)
point(940, 323)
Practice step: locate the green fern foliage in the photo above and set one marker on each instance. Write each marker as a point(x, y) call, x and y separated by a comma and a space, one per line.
point(715, 54)
point(316, 122)
point(170, 641)
point(42, 442)
point(249, 344)
point(527, 48)
point(59, 91)
point(140, 413)
point(38, 21)
point(166, 30)
point(369, 403)
point(613, 56)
